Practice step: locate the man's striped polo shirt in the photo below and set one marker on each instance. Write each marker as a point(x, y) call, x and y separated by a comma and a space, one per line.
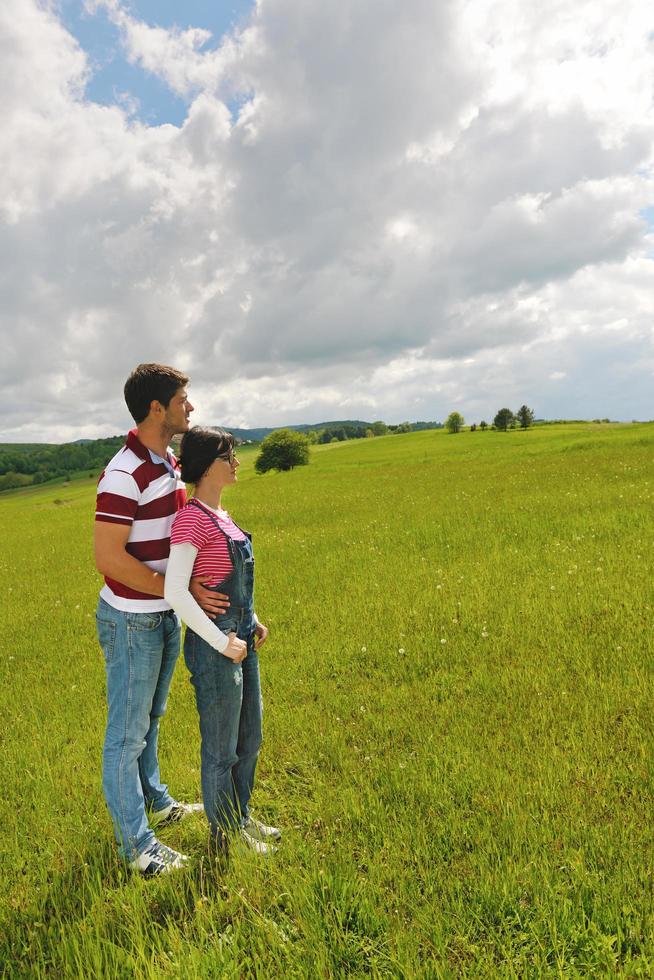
point(143, 491)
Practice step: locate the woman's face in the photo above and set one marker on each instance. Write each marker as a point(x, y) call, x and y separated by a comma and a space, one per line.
point(224, 467)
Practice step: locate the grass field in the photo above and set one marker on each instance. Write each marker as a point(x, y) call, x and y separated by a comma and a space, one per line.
point(458, 721)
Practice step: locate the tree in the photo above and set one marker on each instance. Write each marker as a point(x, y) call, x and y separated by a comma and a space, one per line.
point(483, 425)
point(454, 422)
point(282, 450)
point(525, 417)
point(503, 419)
point(379, 428)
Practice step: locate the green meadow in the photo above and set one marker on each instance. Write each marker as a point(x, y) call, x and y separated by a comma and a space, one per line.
point(458, 725)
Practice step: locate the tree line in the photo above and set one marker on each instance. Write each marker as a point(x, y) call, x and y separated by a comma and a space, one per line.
point(504, 420)
point(341, 433)
point(29, 467)
point(32, 465)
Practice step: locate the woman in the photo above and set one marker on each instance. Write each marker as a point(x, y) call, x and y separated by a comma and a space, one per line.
point(222, 656)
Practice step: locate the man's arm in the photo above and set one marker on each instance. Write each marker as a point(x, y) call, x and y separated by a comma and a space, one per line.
point(112, 560)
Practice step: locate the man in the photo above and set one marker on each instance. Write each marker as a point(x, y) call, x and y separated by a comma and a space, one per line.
point(139, 493)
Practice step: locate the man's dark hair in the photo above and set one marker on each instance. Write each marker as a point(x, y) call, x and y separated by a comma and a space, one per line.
point(199, 449)
point(148, 383)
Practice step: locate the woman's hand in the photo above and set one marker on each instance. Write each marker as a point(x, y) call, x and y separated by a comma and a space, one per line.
point(236, 650)
point(261, 633)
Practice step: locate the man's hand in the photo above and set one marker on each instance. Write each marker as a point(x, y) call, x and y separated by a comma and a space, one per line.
point(213, 603)
point(236, 650)
point(261, 633)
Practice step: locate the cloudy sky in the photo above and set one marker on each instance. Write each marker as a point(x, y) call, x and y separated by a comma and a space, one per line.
point(362, 209)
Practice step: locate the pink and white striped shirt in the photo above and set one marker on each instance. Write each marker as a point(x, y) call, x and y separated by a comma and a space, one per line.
point(193, 525)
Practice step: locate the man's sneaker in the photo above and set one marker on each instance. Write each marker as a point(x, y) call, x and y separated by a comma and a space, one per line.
point(261, 831)
point(175, 812)
point(260, 846)
point(158, 860)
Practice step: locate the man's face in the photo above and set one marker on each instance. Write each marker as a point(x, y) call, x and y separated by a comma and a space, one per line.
point(178, 412)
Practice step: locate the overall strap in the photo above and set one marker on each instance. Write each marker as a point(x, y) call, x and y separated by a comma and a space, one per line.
point(213, 519)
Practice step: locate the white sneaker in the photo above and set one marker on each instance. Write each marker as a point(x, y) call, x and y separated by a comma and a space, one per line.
point(261, 830)
point(157, 860)
point(175, 812)
point(259, 846)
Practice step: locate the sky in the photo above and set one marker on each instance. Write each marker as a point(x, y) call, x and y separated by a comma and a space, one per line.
point(323, 211)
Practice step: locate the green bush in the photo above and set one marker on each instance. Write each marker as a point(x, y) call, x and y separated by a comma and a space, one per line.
point(282, 450)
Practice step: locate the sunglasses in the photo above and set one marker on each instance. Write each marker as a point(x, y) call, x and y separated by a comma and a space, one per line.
point(228, 457)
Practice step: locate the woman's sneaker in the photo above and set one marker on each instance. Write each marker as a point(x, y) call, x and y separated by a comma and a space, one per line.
point(158, 860)
point(261, 831)
point(260, 846)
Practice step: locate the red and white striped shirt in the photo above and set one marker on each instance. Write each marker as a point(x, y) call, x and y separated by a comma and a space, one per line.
point(193, 525)
point(139, 489)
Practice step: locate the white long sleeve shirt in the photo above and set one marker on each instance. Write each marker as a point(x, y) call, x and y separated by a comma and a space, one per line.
point(176, 593)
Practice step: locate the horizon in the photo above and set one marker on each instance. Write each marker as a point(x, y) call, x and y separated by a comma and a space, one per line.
point(335, 422)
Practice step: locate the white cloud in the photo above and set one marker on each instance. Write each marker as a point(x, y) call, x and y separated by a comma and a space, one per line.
point(413, 208)
point(183, 59)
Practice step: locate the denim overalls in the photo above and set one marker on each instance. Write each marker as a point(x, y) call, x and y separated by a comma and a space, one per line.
point(228, 696)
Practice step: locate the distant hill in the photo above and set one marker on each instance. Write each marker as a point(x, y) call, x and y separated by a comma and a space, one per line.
point(257, 435)
point(27, 464)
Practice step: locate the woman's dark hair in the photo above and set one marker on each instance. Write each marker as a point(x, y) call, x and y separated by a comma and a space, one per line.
point(199, 449)
point(148, 383)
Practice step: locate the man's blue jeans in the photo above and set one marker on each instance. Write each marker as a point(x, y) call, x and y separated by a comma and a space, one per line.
point(140, 651)
point(228, 697)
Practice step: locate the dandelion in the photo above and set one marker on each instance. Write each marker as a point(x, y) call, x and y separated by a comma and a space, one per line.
point(364, 649)
point(401, 650)
point(443, 641)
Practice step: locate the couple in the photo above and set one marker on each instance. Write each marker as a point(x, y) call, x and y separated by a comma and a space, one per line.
point(163, 558)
